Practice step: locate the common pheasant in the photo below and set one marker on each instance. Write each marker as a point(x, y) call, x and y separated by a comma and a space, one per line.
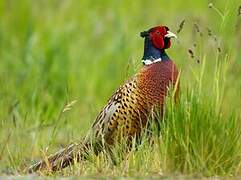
point(126, 113)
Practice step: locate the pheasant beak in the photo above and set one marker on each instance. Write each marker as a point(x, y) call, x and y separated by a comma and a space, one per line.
point(170, 35)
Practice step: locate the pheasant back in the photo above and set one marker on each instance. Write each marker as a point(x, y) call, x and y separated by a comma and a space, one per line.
point(127, 111)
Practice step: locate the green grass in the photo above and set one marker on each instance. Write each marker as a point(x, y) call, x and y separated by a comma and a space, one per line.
point(52, 53)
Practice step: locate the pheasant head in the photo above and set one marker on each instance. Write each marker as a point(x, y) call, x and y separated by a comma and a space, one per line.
point(157, 39)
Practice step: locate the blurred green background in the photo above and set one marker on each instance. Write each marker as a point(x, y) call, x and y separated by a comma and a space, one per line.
point(54, 52)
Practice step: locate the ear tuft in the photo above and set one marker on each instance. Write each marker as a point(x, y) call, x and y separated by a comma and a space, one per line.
point(144, 34)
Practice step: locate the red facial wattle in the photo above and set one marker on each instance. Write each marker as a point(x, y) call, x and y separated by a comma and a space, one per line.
point(157, 36)
point(157, 41)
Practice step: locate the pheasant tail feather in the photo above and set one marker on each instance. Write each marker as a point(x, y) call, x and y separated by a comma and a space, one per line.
point(62, 158)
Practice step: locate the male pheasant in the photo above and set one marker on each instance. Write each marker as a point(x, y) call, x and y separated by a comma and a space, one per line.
point(126, 113)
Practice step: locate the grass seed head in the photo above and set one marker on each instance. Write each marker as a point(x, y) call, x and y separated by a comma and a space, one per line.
point(191, 53)
point(181, 26)
point(210, 5)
